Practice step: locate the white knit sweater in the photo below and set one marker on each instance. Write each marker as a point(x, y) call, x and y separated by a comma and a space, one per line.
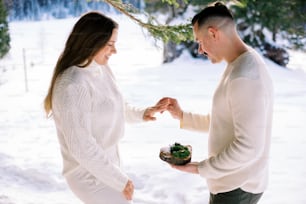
point(89, 113)
point(239, 127)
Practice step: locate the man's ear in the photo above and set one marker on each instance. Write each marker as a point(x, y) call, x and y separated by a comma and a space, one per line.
point(212, 32)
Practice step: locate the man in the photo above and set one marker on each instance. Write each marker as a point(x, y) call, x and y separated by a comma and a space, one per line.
point(240, 121)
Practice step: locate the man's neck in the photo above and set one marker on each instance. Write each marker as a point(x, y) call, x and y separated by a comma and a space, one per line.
point(236, 48)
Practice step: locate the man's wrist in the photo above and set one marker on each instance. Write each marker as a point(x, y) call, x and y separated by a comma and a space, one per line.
point(181, 120)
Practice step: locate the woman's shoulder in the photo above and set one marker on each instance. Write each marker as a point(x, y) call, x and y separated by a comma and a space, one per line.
point(71, 78)
point(74, 74)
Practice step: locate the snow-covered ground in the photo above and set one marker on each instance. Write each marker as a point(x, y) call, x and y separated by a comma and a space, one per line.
point(30, 161)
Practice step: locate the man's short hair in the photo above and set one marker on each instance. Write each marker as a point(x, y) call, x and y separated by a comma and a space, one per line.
point(218, 9)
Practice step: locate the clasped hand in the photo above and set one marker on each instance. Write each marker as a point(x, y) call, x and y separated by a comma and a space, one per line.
point(165, 104)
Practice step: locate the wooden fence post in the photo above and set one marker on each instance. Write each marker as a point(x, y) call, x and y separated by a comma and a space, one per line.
point(25, 70)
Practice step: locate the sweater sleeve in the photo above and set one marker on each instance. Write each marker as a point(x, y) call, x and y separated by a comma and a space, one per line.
point(75, 119)
point(248, 107)
point(195, 122)
point(133, 114)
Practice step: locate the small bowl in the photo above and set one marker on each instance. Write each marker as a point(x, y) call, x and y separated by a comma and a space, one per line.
point(166, 156)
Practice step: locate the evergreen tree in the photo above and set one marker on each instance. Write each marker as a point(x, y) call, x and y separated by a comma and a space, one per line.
point(267, 24)
point(4, 31)
point(175, 9)
point(284, 19)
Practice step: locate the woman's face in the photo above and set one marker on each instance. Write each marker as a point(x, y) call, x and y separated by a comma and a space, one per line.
point(105, 53)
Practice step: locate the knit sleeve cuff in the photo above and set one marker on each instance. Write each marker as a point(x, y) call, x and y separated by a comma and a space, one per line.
point(120, 184)
point(185, 122)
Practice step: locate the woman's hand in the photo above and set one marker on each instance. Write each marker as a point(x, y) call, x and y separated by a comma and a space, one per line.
point(128, 190)
point(150, 111)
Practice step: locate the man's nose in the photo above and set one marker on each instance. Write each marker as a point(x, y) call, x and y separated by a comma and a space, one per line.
point(200, 50)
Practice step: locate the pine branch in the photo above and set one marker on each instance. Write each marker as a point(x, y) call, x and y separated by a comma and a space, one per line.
point(173, 2)
point(174, 33)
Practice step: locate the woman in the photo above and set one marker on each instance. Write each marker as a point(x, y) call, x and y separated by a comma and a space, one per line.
point(89, 113)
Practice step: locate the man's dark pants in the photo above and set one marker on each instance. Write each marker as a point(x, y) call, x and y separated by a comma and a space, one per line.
point(237, 196)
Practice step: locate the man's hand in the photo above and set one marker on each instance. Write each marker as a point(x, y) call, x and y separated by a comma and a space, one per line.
point(191, 167)
point(128, 190)
point(173, 107)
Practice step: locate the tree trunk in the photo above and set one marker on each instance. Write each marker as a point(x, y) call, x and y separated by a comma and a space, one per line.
point(170, 52)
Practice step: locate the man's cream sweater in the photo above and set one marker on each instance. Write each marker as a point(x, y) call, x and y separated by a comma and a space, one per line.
point(239, 127)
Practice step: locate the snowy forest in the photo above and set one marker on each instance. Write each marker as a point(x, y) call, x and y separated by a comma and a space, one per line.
point(156, 57)
point(45, 9)
point(270, 26)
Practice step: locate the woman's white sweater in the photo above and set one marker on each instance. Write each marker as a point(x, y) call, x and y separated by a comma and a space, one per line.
point(90, 113)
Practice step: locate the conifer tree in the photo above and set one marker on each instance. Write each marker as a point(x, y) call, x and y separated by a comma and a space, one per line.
point(267, 24)
point(285, 20)
point(164, 32)
point(4, 31)
point(175, 9)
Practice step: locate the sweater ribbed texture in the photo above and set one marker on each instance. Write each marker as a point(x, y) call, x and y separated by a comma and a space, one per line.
point(89, 113)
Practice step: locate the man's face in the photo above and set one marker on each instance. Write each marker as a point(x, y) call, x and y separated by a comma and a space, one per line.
point(206, 39)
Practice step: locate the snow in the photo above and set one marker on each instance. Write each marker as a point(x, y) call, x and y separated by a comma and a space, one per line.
point(30, 160)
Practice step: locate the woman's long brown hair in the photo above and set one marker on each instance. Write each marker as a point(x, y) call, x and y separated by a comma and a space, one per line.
point(90, 34)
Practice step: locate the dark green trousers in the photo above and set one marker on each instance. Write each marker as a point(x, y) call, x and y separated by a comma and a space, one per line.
point(237, 196)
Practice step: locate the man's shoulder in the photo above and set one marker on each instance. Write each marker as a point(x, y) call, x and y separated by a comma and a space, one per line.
point(248, 66)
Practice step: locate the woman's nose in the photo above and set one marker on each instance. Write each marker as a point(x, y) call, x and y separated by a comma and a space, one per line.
point(114, 50)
